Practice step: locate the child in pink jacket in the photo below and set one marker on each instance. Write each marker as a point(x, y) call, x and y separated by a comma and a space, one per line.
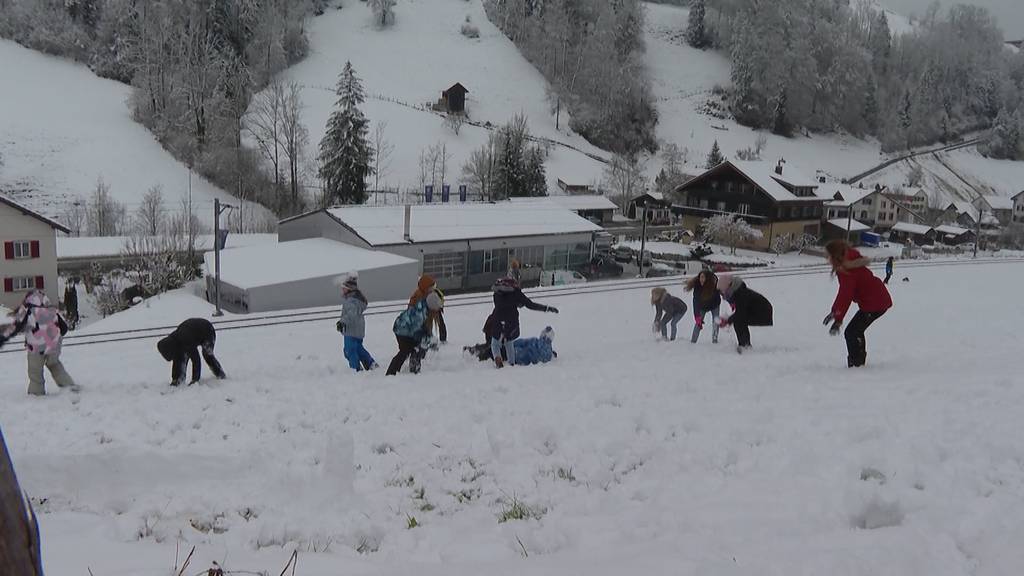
point(44, 330)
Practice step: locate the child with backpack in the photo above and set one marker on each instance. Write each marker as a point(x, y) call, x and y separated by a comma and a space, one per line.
point(44, 330)
point(413, 328)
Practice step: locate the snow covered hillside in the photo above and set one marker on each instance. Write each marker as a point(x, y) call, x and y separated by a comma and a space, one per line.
point(408, 65)
point(624, 454)
point(62, 128)
point(684, 82)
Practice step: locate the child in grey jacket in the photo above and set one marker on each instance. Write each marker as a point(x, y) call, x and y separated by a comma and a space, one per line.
point(352, 325)
point(667, 310)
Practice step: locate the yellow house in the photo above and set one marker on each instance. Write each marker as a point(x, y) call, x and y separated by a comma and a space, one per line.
point(29, 258)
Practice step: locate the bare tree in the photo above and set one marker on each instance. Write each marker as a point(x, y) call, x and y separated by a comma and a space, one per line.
point(295, 138)
point(382, 150)
point(383, 12)
point(625, 178)
point(481, 169)
point(104, 215)
point(74, 217)
point(201, 70)
point(729, 230)
point(149, 216)
point(265, 123)
point(454, 122)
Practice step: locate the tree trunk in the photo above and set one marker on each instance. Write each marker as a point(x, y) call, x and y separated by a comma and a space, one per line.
point(19, 534)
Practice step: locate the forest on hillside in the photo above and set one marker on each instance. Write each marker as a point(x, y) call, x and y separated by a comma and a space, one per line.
point(828, 65)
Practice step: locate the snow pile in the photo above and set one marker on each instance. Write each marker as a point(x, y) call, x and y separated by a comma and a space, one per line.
point(623, 453)
point(62, 128)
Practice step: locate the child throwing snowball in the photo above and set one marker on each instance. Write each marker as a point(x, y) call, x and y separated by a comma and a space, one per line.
point(44, 330)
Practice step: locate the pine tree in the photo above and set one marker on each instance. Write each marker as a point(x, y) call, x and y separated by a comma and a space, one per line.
point(510, 164)
point(906, 118)
point(715, 156)
point(871, 110)
point(696, 32)
point(536, 182)
point(780, 115)
point(345, 151)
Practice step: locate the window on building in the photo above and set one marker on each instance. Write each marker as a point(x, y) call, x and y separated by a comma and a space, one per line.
point(445, 265)
point(728, 186)
point(744, 209)
point(529, 256)
point(746, 188)
point(720, 206)
point(794, 212)
point(704, 203)
point(22, 249)
point(714, 184)
point(23, 283)
point(864, 214)
point(867, 201)
point(808, 211)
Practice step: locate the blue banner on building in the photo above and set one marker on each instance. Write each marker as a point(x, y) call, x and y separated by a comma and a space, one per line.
point(445, 192)
point(428, 193)
point(462, 192)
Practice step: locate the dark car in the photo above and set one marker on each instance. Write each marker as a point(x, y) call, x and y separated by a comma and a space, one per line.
point(622, 254)
point(661, 271)
point(600, 268)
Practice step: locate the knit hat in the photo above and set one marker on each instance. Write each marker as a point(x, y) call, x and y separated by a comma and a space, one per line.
point(351, 283)
point(548, 334)
point(425, 283)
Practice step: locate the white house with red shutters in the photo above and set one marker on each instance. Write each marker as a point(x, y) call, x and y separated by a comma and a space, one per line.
point(30, 252)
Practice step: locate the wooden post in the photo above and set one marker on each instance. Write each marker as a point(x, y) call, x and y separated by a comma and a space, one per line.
point(19, 533)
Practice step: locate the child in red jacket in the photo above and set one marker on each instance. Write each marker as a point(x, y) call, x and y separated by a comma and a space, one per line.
point(856, 284)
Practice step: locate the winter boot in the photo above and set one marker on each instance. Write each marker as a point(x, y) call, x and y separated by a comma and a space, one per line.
point(714, 334)
point(695, 335)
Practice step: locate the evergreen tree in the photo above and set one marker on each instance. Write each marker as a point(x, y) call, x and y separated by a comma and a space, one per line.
point(696, 32)
point(510, 165)
point(536, 182)
point(345, 151)
point(871, 110)
point(780, 115)
point(906, 118)
point(714, 157)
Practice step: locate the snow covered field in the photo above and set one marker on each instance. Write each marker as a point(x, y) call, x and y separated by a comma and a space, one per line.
point(630, 454)
point(410, 63)
point(56, 146)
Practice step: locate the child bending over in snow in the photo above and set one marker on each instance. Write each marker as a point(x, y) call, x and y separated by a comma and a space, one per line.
point(748, 309)
point(667, 310)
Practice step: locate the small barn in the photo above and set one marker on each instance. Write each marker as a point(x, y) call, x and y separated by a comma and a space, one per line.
point(954, 235)
point(658, 210)
point(454, 99)
point(918, 234)
point(305, 274)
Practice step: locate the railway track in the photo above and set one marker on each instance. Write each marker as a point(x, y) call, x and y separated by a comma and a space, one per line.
point(330, 314)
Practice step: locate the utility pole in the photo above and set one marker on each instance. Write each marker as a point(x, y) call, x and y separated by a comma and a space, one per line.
point(977, 232)
point(218, 208)
point(643, 237)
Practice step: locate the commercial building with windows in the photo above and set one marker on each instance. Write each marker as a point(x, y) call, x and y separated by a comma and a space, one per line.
point(463, 246)
point(29, 258)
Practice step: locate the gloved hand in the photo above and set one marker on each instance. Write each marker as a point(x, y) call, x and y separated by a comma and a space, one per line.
point(836, 326)
point(340, 326)
point(552, 309)
point(828, 319)
point(724, 322)
point(699, 322)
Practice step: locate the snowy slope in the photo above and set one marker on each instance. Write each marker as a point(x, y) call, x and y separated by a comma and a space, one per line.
point(412, 62)
point(957, 175)
point(61, 128)
point(684, 79)
point(655, 458)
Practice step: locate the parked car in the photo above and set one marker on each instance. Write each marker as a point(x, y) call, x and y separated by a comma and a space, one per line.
point(561, 278)
point(600, 268)
point(622, 254)
point(647, 259)
point(662, 270)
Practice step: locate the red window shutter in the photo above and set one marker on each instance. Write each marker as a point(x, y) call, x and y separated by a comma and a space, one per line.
point(40, 281)
point(35, 248)
point(9, 250)
point(8, 284)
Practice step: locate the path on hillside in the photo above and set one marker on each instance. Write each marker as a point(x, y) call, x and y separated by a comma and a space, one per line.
point(484, 125)
point(898, 159)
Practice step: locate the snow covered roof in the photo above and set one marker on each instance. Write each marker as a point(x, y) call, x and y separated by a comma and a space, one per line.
point(103, 246)
point(573, 202)
point(1017, 195)
point(269, 264)
point(999, 202)
point(919, 229)
point(951, 230)
point(31, 214)
point(763, 175)
point(854, 225)
point(850, 194)
point(964, 207)
point(385, 225)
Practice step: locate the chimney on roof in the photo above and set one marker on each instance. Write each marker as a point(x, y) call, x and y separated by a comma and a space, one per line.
point(408, 223)
point(878, 187)
point(779, 166)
